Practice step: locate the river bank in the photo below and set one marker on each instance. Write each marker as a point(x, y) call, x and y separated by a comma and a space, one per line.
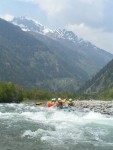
point(104, 107)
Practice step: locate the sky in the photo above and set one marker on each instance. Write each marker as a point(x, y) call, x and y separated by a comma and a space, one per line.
point(91, 20)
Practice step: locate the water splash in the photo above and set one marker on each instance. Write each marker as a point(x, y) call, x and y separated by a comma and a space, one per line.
point(57, 128)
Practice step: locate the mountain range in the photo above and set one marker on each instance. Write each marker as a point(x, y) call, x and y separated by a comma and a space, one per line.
point(38, 57)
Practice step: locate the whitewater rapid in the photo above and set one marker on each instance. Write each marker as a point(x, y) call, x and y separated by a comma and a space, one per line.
point(30, 127)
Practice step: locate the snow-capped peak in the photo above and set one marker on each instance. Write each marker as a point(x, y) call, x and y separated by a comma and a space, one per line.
point(29, 24)
point(47, 30)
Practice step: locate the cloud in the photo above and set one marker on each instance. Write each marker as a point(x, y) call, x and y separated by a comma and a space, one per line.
point(90, 19)
point(98, 37)
point(65, 12)
point(7, 17)
point(51, 7)
point(93, 13)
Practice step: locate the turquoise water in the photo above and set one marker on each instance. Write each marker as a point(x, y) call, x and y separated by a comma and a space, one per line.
point(25, 127)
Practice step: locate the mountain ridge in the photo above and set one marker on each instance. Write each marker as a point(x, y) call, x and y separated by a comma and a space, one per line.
point(29, 24)
point(37, 61)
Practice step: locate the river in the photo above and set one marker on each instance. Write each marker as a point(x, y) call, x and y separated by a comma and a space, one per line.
point(27, 127)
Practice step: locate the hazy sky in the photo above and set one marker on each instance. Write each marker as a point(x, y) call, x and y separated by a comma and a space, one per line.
point(91, 20)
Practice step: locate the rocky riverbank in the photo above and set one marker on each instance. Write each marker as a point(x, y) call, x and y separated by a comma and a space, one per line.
point(104, 107)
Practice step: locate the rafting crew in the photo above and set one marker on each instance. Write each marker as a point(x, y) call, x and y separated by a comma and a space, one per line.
point(61, 103)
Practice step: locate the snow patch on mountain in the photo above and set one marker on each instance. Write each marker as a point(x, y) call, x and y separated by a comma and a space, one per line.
point(29, 24)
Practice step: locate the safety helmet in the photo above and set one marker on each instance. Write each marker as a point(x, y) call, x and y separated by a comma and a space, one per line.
point(70, 99)
point(59, 99)
point(53, 99)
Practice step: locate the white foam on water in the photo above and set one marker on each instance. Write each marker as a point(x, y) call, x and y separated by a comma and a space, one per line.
point(14, 105)
point(53, 116)
point(29, 133)
point(6, 115)
point(40, 133)
point(56, 116)
point(59, 126)
point(34, 116)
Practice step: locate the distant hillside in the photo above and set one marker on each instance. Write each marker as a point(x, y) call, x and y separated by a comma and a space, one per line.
point(83, 54)
point(37, 61)
point(102, 81)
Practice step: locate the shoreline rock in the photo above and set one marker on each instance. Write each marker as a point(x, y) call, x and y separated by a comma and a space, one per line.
point(103, 107)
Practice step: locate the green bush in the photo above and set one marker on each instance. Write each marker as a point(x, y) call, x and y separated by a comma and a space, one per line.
point(10, 92)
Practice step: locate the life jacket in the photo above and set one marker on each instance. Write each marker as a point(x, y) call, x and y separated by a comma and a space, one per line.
point(60, 104)
point(70, 103)
point(63, 101)
point(50, 104)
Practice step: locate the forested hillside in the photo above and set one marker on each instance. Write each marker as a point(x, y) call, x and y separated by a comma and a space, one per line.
point(46, 64)
point(102, 81)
